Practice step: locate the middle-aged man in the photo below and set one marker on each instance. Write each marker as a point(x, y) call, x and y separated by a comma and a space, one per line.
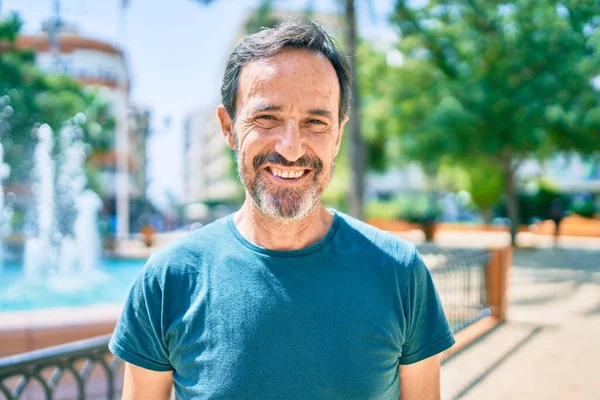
point(284, 299)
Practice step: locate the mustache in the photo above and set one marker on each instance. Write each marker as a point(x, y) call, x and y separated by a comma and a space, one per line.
point(305, 161)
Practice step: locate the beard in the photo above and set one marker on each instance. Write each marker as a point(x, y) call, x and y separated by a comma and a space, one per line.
point(283, 201)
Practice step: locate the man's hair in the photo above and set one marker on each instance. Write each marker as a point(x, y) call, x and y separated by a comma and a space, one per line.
point(292, 34)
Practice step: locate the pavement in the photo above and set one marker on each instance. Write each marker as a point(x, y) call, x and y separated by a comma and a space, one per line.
point(549, 348)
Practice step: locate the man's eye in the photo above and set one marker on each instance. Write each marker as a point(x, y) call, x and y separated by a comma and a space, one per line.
point(316, 122)
point(267, 117)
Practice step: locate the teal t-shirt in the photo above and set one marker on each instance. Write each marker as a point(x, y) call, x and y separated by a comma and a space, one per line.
point(237, 321)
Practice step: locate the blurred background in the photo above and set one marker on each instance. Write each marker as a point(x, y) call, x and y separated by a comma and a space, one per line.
point(475, 133)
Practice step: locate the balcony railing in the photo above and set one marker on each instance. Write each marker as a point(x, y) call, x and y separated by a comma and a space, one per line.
point(460, 277)
point(79, 370)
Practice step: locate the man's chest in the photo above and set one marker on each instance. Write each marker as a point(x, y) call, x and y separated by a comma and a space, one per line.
point(317, 338)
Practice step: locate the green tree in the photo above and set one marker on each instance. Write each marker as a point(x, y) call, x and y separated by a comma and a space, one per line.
point(356, 146)
point(379, 118)
point(483, 181)
point(29, 97)
point(495, 83)
point(261, 18)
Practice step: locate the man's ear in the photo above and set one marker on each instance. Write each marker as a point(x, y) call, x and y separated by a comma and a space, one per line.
point(226, 126)
point(338, 142)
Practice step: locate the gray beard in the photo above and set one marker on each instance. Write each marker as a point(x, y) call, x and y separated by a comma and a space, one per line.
point(285, 203)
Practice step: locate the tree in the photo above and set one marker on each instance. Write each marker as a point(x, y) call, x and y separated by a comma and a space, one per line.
point(261, 18)
point(495, 83)
point(29, 97)
point(483, 181)
point(356, 147)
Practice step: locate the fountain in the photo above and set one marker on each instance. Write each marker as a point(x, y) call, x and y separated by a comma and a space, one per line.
point(62, 264)
point(77, 208)
point(66, 249)
point(40, 251)
point(4, 211)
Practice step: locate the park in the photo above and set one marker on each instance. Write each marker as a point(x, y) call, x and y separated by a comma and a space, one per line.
point(473, 133)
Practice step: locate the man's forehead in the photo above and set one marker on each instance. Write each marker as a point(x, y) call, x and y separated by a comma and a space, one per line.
point(290, 67)
point(280, 100)
point(295, 75)
point(287, 60)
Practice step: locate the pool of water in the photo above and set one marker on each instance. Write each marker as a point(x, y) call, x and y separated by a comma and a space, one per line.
point(108, 284)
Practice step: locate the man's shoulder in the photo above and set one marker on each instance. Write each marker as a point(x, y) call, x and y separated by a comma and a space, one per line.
point(364, 237)
point(191, 249)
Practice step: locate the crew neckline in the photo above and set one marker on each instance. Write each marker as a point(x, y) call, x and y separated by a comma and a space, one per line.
point(285, 253)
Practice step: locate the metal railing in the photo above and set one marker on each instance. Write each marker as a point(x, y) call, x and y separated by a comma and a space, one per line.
point(459, 275)
point(79, 370)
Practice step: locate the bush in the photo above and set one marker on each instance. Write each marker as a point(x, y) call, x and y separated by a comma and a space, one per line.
point(535, 206)
point(384, 209)
point(585, 209)
point(412, 207)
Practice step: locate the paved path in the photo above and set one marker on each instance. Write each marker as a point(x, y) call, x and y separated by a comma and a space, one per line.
point(550, 348)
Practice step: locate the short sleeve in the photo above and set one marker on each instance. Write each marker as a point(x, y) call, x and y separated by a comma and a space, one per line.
point(138, 337)
point(428, 332)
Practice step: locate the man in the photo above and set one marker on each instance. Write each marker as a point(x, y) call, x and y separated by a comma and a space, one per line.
point(284, 299)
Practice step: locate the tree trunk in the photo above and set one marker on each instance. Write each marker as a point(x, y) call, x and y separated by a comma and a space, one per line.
point(512, 205)
point(355, 147)
point(487, 213)
point(429, 227)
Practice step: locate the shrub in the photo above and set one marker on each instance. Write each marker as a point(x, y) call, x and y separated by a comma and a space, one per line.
point(585, 209)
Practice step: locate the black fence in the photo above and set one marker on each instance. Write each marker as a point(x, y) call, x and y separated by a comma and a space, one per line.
point(80, 370)
point(459, 275)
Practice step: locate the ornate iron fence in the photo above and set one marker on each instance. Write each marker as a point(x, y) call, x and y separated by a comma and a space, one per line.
point(459, 275)
point(80, 370)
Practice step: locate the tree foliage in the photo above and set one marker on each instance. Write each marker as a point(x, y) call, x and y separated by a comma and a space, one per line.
point(261, 18)
point(492, 82)
point(30, 97)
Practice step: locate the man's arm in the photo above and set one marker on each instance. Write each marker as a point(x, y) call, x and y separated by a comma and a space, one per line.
point(144, 384)
point(421, 380)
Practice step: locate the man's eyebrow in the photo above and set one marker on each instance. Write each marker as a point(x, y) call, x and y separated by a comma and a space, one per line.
point(265, 107)
point(321, 112)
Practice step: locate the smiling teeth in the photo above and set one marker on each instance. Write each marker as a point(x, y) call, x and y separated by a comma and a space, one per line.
point(287, 174)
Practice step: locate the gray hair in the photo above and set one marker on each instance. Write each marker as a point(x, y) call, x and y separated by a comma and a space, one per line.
point(291, 34)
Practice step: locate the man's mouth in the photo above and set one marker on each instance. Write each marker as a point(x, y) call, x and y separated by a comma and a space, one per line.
point(287, 175)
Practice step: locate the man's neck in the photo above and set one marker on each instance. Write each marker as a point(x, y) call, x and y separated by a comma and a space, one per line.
point(282, 234)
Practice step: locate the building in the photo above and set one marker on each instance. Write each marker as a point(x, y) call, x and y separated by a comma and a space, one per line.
point(193, 174)
point(102, 65)
point(209, 171)
point(138, 130)
point(571, 173)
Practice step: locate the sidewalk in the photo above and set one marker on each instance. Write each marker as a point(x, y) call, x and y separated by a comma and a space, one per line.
point(550, 346)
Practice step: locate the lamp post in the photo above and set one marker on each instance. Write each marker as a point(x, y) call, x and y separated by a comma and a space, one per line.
point(54, 26)
point(122, 189)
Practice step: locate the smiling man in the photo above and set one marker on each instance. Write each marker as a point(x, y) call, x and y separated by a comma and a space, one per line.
point(284, 299)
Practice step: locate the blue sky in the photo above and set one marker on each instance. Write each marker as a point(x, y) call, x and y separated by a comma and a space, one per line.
point(176, 51)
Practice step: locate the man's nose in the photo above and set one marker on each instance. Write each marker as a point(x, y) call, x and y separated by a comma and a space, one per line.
point(291, 143)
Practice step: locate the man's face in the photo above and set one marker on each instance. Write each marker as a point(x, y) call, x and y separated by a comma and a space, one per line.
point(287, 132)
